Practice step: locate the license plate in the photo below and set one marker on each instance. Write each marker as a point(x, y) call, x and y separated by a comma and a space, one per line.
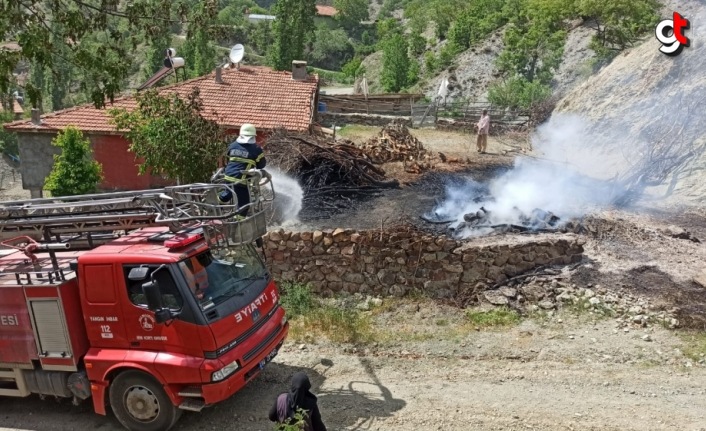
point(268, 358)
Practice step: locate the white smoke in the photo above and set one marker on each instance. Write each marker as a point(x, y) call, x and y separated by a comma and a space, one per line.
point(288, 198)
point(551, 181)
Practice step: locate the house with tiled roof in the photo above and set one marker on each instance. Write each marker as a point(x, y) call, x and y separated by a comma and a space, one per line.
point(17, 110)
point(329, 11)
point(232, 96)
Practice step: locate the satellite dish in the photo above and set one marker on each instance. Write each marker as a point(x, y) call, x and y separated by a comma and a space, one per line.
point(236, 54)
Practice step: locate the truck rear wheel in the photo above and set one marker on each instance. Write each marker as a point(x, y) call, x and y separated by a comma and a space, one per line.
point(140, 403)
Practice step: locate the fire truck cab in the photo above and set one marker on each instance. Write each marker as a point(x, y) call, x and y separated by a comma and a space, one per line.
point(151, 323)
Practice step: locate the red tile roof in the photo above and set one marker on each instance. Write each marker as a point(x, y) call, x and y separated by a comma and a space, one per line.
point(16, 108)
point(258, 95)
point(322, 10)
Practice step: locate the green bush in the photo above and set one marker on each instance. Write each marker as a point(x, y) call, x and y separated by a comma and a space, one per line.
point(296, 298)
point(517, 92)
point(74, 171)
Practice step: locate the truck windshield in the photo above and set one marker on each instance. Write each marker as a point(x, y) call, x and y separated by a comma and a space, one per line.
point(213, 280)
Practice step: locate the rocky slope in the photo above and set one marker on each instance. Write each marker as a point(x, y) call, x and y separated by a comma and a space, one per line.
point(643, 100)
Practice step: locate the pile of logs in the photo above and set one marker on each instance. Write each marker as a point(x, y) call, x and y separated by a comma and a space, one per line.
point(323, 166)
point(395, 143)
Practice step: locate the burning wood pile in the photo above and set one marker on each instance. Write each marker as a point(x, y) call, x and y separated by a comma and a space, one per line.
point(395, 143)
point(538, 220)
point(484, 222)
point(324, 166)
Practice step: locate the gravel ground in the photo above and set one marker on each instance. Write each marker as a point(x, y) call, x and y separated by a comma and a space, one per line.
point(546, 376)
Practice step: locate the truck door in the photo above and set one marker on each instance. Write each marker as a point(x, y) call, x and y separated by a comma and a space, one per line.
point(180, 335)
point(102, 315)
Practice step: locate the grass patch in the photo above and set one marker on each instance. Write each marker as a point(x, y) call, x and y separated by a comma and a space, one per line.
point(357, 132)
point(498, 317)
point(310, 318)
point(694, 345)
point(583, 307)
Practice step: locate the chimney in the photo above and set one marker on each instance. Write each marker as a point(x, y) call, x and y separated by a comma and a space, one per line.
point(299, 70)
point(219, 75)
point(35, 117)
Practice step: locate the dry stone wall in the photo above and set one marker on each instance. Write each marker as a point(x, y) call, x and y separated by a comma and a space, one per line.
point(396, 263)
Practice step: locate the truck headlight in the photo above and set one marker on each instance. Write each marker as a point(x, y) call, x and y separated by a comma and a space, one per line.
point(224, 372)
point(284, 320)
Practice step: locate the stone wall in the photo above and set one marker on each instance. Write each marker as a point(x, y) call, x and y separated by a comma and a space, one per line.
point(396, 263)
point(329, 119)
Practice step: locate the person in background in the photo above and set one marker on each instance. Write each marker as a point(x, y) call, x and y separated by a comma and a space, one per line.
point(483, 127)
point(299, 397)
point(243, 154)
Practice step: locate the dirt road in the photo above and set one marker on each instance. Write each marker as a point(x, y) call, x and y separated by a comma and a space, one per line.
point(541, 375)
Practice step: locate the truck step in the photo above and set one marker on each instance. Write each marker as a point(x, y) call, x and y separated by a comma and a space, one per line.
point(191, 392)
point(12, 383)
point(192, 405)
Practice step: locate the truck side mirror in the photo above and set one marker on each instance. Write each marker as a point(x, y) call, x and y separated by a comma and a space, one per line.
point(153, 296)
point(138, 274)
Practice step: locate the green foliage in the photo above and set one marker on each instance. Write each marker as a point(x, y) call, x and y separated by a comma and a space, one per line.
point(292, 28)
point(395, 64)
point(296, 298)
point(476, 22)
point(447, 54)
point(74, 171)
point(618, 24)
point(351, 12)
point(199, 49)
point(93, 40)
point(330, 75)
point(171, 136)
point(385, 29)
point(534, 43)
point(353, 68)
point(295, 424)
point(331, 48)
point(518, 92)
point(310, 317)
point(493, 318)
point(430, 63)
point(8, 140)
point(440, 12)
point(417, 44)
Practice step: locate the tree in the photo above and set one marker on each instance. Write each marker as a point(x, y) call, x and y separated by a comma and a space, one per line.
point(331, 49)
point(292, 28)
point(38, 25)
point(199, 48)
point(74, 171)
point(534, 43)
point(171, 137)
point(395, 64)
point(618, 23)
point(351, 12)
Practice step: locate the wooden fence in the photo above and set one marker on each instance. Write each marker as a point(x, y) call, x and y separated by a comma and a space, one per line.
point(419, 112)
point(378, 104)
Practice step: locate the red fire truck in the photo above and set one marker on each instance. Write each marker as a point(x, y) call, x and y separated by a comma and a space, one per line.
point(152, 302)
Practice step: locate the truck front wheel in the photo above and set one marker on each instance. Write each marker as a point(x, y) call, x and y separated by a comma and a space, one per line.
point(140, 403)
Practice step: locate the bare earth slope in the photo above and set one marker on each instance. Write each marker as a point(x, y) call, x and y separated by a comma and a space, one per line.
point(644, 97)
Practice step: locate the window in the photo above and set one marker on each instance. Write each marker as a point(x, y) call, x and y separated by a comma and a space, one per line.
point(171, 298)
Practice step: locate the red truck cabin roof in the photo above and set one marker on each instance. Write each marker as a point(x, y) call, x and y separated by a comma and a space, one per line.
point(134, 247)
point(131, 248)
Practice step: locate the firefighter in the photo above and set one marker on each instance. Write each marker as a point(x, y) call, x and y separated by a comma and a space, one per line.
point(243, 155)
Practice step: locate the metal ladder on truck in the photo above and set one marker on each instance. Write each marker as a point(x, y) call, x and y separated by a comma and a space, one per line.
point(86, 221)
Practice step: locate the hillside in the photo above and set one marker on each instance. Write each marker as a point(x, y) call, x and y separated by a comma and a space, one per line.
point(644, 100)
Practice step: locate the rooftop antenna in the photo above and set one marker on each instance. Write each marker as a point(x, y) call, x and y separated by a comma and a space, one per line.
point(237, 52)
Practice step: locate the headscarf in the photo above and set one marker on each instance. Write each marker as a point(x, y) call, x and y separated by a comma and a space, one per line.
point(299, 391)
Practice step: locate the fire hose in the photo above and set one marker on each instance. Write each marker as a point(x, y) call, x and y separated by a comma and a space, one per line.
point(29, 246)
